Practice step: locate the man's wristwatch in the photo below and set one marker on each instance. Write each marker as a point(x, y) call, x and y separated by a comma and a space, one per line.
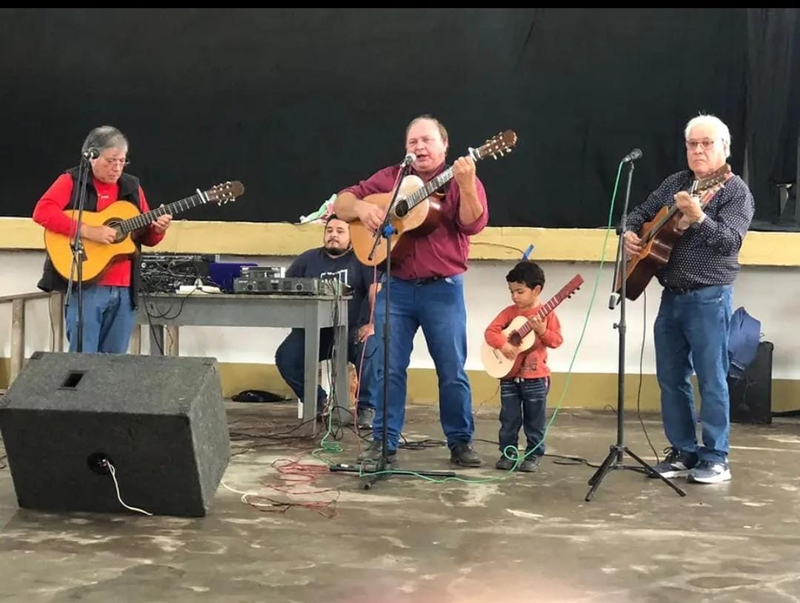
point(696, 224)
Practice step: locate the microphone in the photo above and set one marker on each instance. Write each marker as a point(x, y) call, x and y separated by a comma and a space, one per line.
point(408, 160)
point(632, 156)
point(91, 153)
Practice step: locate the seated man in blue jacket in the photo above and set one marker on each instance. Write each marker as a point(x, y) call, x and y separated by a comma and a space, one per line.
point(335, 259)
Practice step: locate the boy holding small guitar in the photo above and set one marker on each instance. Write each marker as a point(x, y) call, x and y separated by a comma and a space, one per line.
point(523, 391)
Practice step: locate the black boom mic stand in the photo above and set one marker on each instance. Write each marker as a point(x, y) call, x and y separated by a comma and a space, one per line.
point(78, 253)
point(616, 452)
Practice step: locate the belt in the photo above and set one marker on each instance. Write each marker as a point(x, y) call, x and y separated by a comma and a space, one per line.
point(522, 379)
point(425, 281)
point(682, 290)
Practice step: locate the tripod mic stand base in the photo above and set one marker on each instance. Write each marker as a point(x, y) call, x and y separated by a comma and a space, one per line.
point(614, 461)
point(382, 469)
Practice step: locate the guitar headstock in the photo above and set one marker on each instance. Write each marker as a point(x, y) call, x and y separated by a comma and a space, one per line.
point(714, 179)
point(570, 288)
point(497, 145)
point(225, 191)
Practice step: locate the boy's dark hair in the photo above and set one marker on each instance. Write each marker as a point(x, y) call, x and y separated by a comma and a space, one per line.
point(526, 272)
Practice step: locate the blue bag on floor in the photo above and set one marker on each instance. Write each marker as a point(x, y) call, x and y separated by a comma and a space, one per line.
point(744, 335)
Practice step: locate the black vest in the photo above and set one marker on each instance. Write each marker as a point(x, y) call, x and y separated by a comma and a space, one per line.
point(128, 191)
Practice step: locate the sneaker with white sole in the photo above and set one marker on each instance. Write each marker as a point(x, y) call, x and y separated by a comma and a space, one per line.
point(364, 417)
point(710, 472)
point(677, 464)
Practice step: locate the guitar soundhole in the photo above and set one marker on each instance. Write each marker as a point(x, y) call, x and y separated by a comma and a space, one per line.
point(115, 225)
point(401, 208)
point(514, 339)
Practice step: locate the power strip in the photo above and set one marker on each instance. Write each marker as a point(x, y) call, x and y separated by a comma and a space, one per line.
point(188, 289)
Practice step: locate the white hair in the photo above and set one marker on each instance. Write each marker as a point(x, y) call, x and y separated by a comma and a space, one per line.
point(720, 129)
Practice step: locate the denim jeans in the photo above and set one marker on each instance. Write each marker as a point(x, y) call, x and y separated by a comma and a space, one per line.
point(691, 334)
point(523, 403)
point(290, 360)
point(438, 307)
point(108, 320)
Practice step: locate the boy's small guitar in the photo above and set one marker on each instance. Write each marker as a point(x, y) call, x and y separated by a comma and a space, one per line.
point(521, 334)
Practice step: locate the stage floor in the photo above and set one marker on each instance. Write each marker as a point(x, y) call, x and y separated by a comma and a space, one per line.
point(310, 535)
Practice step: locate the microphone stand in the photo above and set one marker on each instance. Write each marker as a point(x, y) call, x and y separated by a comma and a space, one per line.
point(616, 452)
point(383, 468)
point(78, 255)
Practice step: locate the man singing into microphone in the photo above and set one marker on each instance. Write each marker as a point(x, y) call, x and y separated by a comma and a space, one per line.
point(109, 305)
point(427, 290)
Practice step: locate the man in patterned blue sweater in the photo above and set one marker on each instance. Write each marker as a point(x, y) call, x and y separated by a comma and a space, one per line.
point(691, 329)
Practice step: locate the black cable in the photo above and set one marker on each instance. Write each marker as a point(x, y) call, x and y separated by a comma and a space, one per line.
point(641, 370)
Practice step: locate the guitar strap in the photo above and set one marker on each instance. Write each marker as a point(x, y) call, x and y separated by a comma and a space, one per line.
point(442, 190)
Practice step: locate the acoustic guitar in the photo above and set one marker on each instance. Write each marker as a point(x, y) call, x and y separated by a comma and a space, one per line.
point(521, 334)
point(659, 236)
point(416, 211)
point(126, 219)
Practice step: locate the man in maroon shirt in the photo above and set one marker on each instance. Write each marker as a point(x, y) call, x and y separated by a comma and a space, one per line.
point(426, 290)
point(109, 304)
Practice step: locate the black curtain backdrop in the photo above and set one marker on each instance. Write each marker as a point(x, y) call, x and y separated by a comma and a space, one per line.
point(300, 103)
point(773, 106)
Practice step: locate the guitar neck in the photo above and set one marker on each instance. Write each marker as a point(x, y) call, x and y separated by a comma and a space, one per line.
point(499, 144)
point(419, 195)
point(659, 225)
point(697, 188)
point(176, 207)
point(541, 313)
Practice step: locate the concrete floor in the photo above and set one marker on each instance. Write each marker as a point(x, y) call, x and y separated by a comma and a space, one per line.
point(486, 537)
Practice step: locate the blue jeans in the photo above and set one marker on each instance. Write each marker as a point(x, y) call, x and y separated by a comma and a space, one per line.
point(691, 333)
point(290, 360)
point(523, 403)
point(108, 320)
point(438, 307)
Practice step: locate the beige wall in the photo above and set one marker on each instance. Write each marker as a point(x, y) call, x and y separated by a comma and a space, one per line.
point(767, 287)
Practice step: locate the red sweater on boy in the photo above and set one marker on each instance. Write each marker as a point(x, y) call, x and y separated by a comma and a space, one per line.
point(534, 362)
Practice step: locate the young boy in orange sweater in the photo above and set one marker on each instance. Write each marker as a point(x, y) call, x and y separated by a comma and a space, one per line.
point(523, 394)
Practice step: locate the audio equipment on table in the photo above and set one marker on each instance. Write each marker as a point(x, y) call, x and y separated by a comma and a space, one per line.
point(290, 286)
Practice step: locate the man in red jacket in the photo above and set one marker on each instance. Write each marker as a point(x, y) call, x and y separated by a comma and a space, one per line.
point(109, 305)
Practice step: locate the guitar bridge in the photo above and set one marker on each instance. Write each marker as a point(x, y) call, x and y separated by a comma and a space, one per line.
point(83, 257)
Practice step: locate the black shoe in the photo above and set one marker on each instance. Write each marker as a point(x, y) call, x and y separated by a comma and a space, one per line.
point(677, 464)
point(373, 453)
point(365, 417)
point(463, 454)
point(530, 464)
point(322, 409)
point(504, 464)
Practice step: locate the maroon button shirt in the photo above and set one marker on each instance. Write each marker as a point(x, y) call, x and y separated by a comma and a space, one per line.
point(444, 251)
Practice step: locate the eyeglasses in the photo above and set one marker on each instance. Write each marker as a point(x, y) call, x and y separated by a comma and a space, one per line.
point(692, 144)
point(122, 162)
